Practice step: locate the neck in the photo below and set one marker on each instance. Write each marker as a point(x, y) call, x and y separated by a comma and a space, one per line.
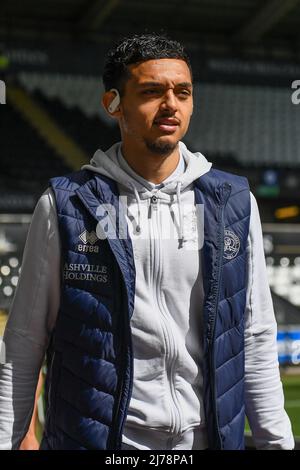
point(152, 167)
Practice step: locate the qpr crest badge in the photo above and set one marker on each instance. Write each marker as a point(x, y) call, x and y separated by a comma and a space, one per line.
point(231, 244)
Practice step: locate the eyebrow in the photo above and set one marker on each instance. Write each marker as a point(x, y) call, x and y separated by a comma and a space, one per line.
point(157, 84)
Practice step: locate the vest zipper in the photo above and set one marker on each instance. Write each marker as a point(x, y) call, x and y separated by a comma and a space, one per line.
point(119, 437)
point(212, 323)
point(128, 341)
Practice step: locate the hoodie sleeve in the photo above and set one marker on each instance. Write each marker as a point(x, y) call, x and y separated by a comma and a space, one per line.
point(270, 425)
point(30, 323)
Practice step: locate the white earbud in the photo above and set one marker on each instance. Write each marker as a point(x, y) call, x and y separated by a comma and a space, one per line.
point(115, 102)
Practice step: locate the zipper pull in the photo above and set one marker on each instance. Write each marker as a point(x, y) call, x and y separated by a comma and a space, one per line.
point(154, 201)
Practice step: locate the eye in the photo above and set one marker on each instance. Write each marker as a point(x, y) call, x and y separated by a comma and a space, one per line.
point(150, 91)
point(184, 93)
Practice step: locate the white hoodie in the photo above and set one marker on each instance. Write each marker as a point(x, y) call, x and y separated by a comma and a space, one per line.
point(166, 408)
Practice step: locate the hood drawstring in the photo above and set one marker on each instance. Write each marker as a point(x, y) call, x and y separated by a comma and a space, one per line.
point(137, 196)
point(178, 194)
point(181, 223)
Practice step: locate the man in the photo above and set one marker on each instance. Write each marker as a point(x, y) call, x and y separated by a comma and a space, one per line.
point(144, 277)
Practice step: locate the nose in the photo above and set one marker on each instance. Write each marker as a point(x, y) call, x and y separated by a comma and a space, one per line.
point(169, 101)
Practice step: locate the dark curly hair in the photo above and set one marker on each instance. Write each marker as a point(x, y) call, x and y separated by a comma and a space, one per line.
point(138, 48)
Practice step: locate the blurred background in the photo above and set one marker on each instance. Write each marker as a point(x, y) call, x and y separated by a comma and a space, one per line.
point(246, 60)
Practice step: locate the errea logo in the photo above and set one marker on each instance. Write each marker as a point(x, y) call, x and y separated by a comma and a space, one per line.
point(88, 239)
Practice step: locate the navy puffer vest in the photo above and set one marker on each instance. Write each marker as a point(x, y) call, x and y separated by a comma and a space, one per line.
point(90, 371)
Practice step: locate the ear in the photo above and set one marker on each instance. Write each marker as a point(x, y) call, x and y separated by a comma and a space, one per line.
point(111, 103)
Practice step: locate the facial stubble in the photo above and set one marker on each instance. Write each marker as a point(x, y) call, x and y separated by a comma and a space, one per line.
point(160, 148)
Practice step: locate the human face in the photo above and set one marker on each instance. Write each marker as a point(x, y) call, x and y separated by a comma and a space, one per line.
point(156, 105)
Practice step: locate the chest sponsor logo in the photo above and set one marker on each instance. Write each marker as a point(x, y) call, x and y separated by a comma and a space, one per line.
point(231, 244)
point(88, 240)
point(85, 272)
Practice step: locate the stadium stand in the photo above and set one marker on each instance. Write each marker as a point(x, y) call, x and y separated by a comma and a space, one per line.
point(9, 276)
point(90, 133)
point(257, 124)
point(284, 278)
point(13, 231)
point(26, 164)
point(73, 100)
point(74, 91)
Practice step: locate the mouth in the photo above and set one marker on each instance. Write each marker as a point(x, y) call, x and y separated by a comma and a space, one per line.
point(167, 125)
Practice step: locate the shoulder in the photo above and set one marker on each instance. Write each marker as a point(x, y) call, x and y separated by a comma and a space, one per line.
point(237, 182)
point(71, 181)
point(45, 205)
point(214, 179)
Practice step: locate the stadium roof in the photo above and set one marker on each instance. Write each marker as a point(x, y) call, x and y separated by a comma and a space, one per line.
point(238, 24)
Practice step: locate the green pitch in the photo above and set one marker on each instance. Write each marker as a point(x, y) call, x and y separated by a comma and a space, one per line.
point(291, 385)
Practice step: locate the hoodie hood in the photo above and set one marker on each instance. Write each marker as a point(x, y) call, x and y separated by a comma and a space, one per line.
point(113, 165)
point(108, 164)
